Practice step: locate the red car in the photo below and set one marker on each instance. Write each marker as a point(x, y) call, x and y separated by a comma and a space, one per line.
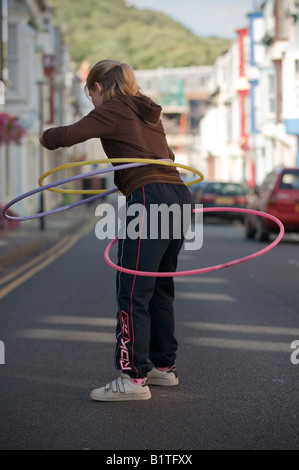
point(278, 196)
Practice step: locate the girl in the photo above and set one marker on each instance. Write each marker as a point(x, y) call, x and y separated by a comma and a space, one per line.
point(129, 125)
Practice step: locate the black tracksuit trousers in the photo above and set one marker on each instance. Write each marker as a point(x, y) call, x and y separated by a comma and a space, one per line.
point(145, 319)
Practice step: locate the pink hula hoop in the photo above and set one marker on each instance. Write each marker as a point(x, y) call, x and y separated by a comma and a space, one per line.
point(209, 268)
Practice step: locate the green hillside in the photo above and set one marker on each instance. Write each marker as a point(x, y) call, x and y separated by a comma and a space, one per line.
point(97, 29)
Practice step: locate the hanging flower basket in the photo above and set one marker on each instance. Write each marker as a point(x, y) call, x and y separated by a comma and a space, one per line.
point(11, 130)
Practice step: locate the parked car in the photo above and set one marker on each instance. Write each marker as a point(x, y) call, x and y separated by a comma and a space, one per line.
point(222, 194)
point(196, 190)
point(279, 196)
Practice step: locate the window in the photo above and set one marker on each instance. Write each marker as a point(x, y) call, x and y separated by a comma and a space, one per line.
point(229, 122)
point(281, 19)
point(148, 84)
point(202, 80)
point(12, 57)
point(296, 84)
point(271, 94)
point(3, 42)
point(257, 108)
point(290, 180)
point(278, 85)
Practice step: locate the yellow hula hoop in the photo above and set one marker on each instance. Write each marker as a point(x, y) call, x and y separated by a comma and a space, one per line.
point(113, 160)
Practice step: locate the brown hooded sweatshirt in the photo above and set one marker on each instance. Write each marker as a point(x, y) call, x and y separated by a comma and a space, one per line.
point(129, 127)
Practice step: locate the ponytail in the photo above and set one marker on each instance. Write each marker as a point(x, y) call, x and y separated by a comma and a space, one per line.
point(116, 78)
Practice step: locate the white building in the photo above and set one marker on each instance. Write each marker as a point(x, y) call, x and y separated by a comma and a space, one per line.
point(37, 93)
point(278, 84)
point(183, 93)
point(290, 81)
point(222, 155)
point(252, 125)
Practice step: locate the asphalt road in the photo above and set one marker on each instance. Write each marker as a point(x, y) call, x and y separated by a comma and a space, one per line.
point(238, 386)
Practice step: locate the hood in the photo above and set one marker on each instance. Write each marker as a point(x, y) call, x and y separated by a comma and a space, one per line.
point(143, 106)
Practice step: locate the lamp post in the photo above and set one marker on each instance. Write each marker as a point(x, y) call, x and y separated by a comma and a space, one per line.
point(41, 154)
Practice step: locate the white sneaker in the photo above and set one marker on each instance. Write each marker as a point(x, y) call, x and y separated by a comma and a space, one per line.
point(121, 389)
point(159, 377)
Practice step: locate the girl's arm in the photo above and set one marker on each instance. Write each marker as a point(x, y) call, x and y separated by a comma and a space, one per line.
point(94, 125)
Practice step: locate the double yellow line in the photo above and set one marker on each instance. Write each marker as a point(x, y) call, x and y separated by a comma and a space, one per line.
point(28, 270)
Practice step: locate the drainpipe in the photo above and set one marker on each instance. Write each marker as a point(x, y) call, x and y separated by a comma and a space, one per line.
point(243, 88)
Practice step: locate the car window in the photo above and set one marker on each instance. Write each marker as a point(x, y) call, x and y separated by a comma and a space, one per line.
point(198, 186)
point(224, 189)
point(269, 182)
point(289, 180)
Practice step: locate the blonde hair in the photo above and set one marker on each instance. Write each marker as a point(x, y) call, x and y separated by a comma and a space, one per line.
point(116, 78)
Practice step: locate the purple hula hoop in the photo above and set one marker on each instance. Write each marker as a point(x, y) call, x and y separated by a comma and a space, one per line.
point(107, 250)
point(57, 183)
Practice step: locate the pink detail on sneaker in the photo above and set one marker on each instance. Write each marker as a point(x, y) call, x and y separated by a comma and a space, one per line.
point(138, 381)
point(163, 369)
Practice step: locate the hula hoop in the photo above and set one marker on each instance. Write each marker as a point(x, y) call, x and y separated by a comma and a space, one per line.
point(112, 160)
point(209, 268)
point(57, 183)
point(127, 163)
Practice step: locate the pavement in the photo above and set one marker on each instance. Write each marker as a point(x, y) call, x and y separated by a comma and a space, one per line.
point(29, 237)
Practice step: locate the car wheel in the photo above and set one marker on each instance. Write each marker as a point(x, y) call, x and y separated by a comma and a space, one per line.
point(262, 234)
point(249, 230)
